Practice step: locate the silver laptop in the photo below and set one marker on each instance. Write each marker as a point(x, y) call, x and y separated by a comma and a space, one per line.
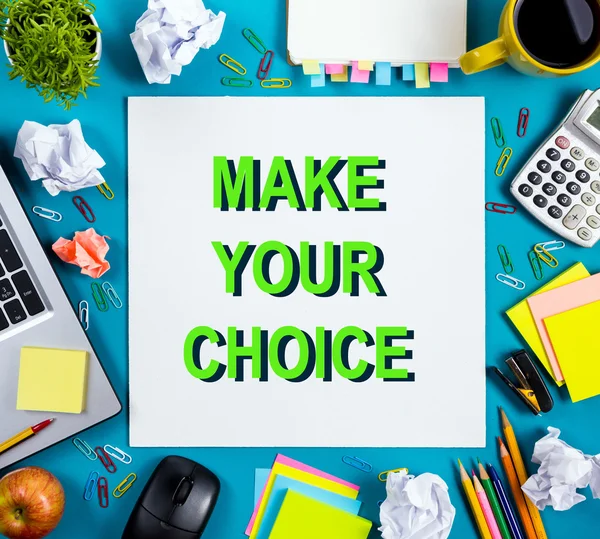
point(35, 311)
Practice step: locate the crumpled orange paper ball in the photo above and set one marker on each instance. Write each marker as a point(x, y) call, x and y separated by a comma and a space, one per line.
point(86, 250)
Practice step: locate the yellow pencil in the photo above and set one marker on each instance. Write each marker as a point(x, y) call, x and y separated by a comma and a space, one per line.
point(22, 436)
point(513, 449)
point(482, 526)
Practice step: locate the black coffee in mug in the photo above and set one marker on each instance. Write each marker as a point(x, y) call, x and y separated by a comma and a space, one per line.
point(559, 33)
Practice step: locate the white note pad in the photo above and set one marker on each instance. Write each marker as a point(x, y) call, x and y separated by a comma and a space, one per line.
point(396, 31)
point(434, 196)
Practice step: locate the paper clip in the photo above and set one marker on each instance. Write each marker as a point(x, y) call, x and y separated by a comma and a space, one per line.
point(357, 463)
point(503, 161)
point(90, 486)
point(510, 281)
point(84, 209)
point(112, 295)
point(124, 485)
point(553, 245)
point(254, 40)
point(84, 314)
point(497, 207)
point(105, 460)
point(384, 475)
point(523, 122)
point(45, 213)
point(103, 492)
point(232, 64)
point(99, 298)
point(498, 133)
point(236, 82)
point(265, 65)
point(276, 83)
point(545, 256)
point(536, 265)
point(106, 191)
point(118, 454)
point(85, 448)
point(507, 264)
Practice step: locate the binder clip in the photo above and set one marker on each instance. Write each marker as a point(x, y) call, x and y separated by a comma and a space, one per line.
point(531, 388)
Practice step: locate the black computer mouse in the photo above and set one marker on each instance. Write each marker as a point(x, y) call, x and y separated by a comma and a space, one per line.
point(176, 503)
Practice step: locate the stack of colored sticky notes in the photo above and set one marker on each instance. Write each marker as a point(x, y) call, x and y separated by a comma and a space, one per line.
point(295, 501)
point(561, 324)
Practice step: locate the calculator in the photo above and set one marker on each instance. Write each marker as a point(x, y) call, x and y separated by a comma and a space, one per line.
point(560, 185)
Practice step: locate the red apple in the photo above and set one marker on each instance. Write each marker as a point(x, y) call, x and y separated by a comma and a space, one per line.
point(32, 502)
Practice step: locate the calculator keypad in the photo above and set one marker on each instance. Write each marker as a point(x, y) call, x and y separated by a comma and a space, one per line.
point(559, 177)
point(567, 165)
point(544, 166)
point(552, 154)
point(588, 199)
point(549, 189)
point(577, 153)
point(534, 178)
point(574, 217)
point(592, 164)
point(540, 201)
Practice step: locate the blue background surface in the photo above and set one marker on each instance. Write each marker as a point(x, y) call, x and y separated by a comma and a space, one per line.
point(104, 120)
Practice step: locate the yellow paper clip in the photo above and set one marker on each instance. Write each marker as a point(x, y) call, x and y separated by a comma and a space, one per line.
point(545, 256)
point(503, 161)
point(124, 485)
point(384, 475)
point(106, 191)
point(276, 83)
point(232, 64)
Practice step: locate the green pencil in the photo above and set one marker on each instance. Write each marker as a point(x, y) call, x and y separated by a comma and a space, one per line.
point(488, 486)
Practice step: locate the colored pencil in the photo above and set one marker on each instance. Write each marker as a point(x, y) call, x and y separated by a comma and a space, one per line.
point(515, 453)
point(22, 436)
point(486, 508)
point(517, 493)
point(494, 502)
point(482, 526)
point(509, 513)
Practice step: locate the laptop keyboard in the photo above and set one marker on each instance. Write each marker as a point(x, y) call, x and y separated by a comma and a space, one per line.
point(19, 299)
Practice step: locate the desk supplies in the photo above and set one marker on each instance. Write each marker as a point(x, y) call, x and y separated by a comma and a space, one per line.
point(99, 297)
point(52, 380)
point(488, 486)
point(232, 64)
point(511, 281)
point(254, 40)
point(265, 65)
point(90, 486)
point(45, 213)
point(486, 508)
point(536, 265)
point(383, 476)
point(523, 123)
point(498, 133)
point(105, 191)
point(24, 435)
point(357, 463)
point(83, 309)
point(87, 250)
point(503, 161)
point(276, 83)
point(118, 454)
point(124, 485)
point(484, 531)
point(85, 449)
point(105, 459)
point(103, 492)
point(498, 207)
point(507, 509)
point(545, 256)
point(505, 259)
point(112, 295)
point(84, 209)
point(530, 387)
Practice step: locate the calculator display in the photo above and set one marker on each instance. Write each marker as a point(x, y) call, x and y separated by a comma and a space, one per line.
point(594, 119)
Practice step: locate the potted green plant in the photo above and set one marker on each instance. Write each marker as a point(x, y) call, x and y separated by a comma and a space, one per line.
point(53, 46)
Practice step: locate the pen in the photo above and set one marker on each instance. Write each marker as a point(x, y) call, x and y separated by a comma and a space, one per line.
point(506, 507)
point(22, 436)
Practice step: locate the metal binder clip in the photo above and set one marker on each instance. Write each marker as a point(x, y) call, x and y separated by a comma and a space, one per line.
point(106, 191)
point(503, 161)
point(112, 295)
point(84, 209)
point(118, 454)
point(103, 492)
point(545, 256)
point(505, 259)
point(236, 82)
point(45, 213)
point(530, 388)
point(357, 463)
point(523, 122)
point(105, 460)
point(84, 314)
point(536, 265)
point(85, 448)
point(265, 65)
point(254, 40)
point(232, 64)
point(124, 485)
point(276, 83)
point(90, 486)
point(497, 207)
point(99, 298)
point(554, 245)
point(498, 133)
point(510, 281)
point(384, 475)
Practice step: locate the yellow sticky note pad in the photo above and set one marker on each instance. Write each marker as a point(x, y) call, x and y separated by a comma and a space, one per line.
point(301, 517)
point(576, 342)
point(311, 67)
point(521, 316)
point(422, 75)
point(340, 77)
point(363, 65)
point(52, 380)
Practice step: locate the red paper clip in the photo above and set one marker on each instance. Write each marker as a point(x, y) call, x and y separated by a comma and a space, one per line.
point(105, 459)
point(497, 207)
point(523, 122)
point(263, 70)
point(84, 209)
point(103, 492)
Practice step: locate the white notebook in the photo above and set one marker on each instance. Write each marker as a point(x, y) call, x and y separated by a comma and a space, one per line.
point(396, 31)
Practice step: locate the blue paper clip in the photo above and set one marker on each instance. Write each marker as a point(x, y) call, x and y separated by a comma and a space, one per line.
point(508, 280)
point(85, 448)
point(112, 295)
point(357, 463)
point(90, 486)
point(118, 454)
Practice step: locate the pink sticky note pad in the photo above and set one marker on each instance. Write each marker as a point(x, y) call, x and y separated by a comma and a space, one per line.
point(299, 466)
point(439, 73)
point(557, 301)
point(334, 69)
point(359, 75)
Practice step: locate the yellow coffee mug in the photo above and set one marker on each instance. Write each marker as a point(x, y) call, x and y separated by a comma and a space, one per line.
point(509, 49)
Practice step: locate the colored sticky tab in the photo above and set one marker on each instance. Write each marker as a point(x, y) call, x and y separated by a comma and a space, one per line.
point(311, 67)
point(340, 77)
point(334, 69)
point(383, 73)
point(261, 475)
point(364, 65)
point(359, 75)
point(318, 81)
point(422, 75)
point(408, 72)
point(439, 72)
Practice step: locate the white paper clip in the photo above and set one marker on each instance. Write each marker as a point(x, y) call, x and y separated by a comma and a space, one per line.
point(118, 454)
point(553, 245)
point(112, 295)
point(510, 281)
point(84, 314)
point(45, 213)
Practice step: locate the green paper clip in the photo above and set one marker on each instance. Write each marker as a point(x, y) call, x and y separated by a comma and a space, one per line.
point(254, 40)
point(99, 298)
point(498, 133)
point(503, 161)
point(236, 82)
point(536, 265)
point(507, 264)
